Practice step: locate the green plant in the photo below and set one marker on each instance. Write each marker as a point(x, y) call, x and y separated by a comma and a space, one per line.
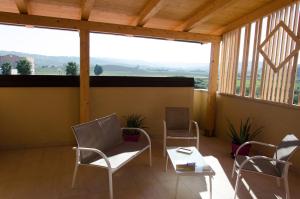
point(134, 121)
point(6, 68)
point(245, 132)
point(98, 70)
point(71, 68)
point(24, 67)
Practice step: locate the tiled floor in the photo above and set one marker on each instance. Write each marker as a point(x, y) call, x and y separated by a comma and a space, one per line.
point(47, 173)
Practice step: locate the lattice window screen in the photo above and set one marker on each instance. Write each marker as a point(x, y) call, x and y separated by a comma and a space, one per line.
point(229, 61)
point(273, 60)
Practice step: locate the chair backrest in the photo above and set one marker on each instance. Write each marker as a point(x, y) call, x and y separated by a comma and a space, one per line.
point(177, 118)
point(102, 134)
point(285, 149)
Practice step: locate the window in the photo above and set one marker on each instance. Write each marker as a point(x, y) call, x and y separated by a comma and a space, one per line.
point(38, 51)
point(113, 55)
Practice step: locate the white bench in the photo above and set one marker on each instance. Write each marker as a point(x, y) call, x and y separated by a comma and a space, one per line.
point(100, 144)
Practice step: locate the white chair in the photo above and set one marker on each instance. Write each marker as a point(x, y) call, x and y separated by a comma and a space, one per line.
point(276, 166)
point(100, 144)
point(177, 125)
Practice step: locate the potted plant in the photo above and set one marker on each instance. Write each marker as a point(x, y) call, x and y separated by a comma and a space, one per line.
point(133, 121)
point(242, 135)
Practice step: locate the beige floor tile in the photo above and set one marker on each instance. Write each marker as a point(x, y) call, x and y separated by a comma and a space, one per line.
point(47, 173)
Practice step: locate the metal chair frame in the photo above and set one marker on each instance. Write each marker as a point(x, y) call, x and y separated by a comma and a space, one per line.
point(110, 170)
point(239, 170)
point(166, 137)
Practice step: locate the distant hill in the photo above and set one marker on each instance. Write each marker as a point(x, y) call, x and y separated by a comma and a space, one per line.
point(60, 61)
point(42, 60)
point(125, 65)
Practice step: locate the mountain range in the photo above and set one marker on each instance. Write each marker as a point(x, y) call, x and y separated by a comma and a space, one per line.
point(125, 65)
point(59, 61)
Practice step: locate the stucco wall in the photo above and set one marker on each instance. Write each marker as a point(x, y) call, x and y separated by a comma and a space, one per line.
point(277, 120)
point(200, 104)
point(33, 117)
point(147, 101)
point(37, 116)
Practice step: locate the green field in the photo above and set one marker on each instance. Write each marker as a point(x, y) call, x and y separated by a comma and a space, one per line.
point(258, 83)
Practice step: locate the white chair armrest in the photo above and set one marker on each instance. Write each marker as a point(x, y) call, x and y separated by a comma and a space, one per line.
point(286, 163)
point(165, 128)
point(254, 142)
point(78, 149)
point(196, 126)
point(142, 131)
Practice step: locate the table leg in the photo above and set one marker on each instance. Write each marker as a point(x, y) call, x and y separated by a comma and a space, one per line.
point(210, 187)
point(167, 163)
point(176, 191)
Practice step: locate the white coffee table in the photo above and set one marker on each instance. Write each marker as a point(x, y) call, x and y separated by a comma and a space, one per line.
point(201, 168)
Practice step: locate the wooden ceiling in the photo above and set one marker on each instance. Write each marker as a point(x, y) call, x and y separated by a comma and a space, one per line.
point(210, 17)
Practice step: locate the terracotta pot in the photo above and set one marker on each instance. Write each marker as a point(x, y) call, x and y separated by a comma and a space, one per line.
point(243, 151)
point(131, 138)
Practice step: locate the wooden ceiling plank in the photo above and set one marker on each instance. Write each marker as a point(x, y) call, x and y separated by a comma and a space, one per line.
point(150, 9)
point(71, 24)
point(86, 9)
point(22, 6)
point(204, 12)
point(258, 13)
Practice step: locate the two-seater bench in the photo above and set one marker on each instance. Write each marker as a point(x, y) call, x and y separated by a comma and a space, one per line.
point(100, 144)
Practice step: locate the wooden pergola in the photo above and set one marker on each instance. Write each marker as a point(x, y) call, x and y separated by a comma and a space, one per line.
point(203, 21)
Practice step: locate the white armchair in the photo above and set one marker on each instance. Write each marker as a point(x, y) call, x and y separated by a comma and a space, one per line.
point(276, 166)
point(177, 125)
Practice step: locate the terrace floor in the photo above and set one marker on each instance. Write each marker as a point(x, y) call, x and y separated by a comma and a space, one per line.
point(47, 173)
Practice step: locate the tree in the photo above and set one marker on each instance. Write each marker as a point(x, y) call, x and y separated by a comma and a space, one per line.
point(71, 68)
point(24, 67)
point(98, 70)
point(6, 68)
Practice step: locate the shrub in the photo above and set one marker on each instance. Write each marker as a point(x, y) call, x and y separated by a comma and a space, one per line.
point(24, 67)
point(98, 70)
point(71, 68)
point(6, 68)
point(244, 133)
point(134, 121)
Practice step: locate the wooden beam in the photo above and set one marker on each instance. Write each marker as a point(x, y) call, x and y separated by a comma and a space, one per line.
point(150, 9)
point(86, 8)
point(84, 75)
point(212, 89)
point(70, 24)
point(204, 12)
point(260, 12)
point(22, 6)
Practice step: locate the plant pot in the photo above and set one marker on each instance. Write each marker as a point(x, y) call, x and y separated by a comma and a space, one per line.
point(243, 151)
point(131, 135)
point(131, 138)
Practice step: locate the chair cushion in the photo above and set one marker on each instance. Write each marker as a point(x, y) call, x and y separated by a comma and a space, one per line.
point(177, 118)
point(258, 165)
point(179, 133)
point(120, 154)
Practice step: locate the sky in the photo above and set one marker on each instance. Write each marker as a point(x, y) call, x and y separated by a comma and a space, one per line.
point(66, 43)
